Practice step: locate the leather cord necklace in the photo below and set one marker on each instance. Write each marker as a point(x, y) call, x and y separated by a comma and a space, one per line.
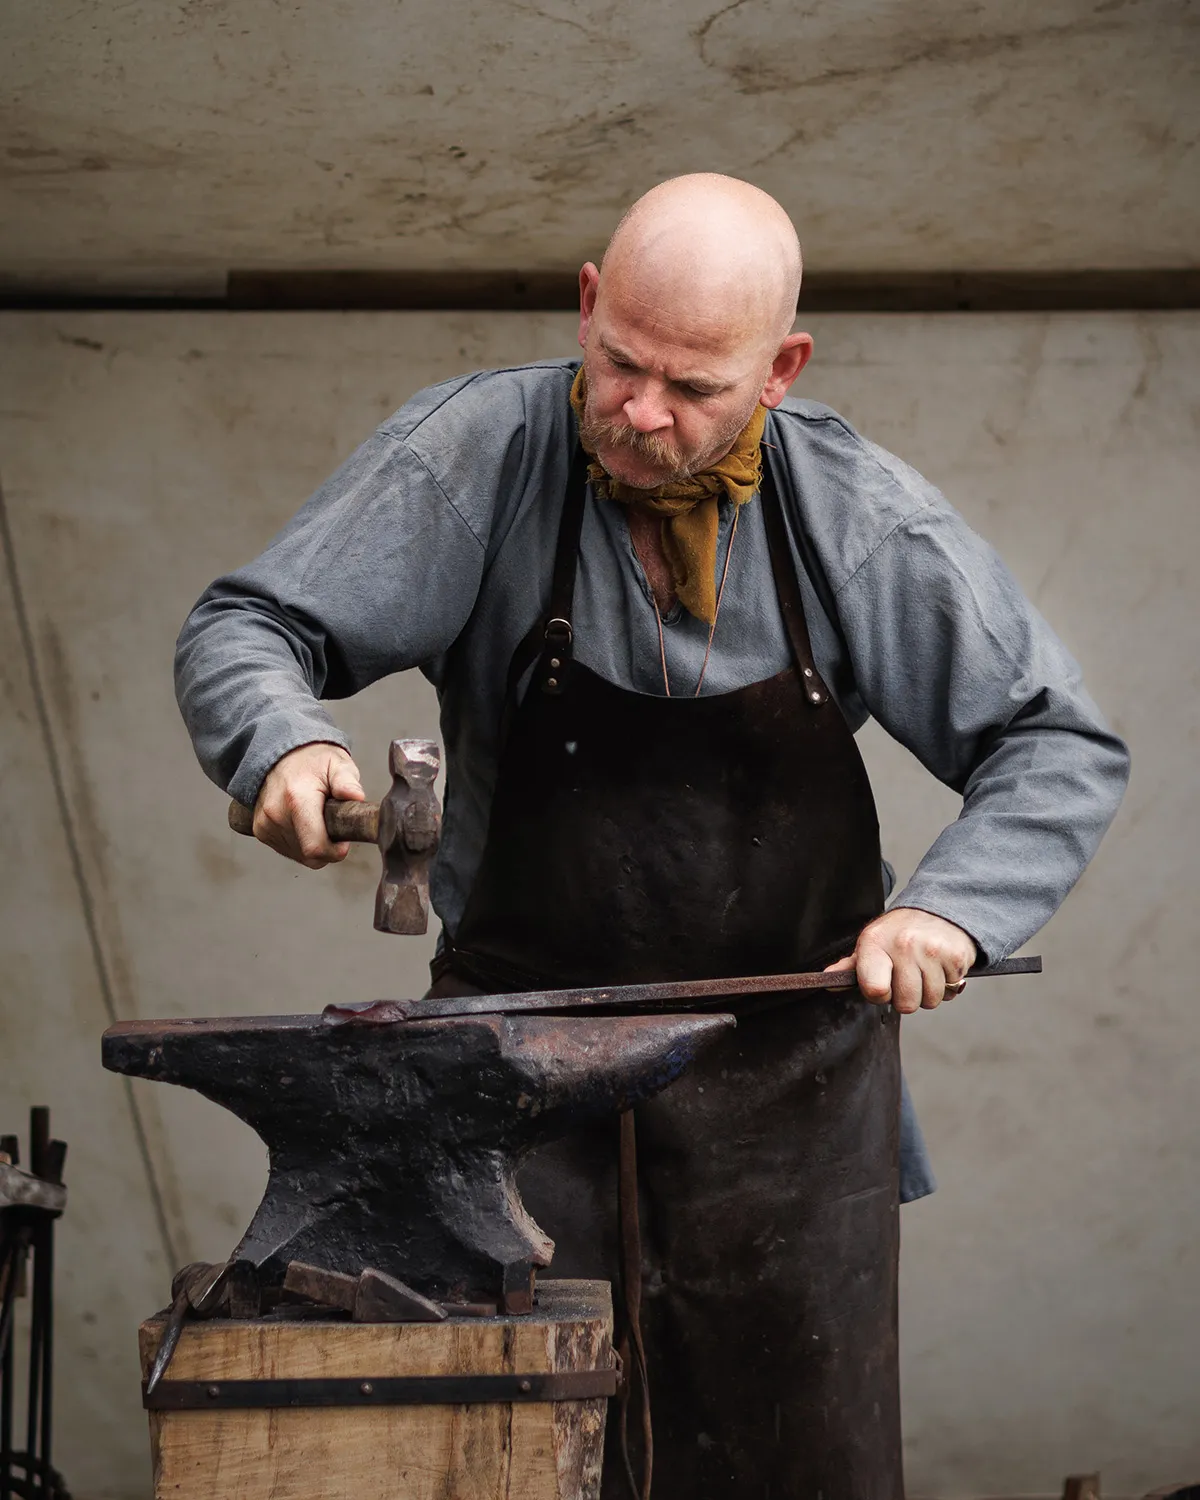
point(712, 629)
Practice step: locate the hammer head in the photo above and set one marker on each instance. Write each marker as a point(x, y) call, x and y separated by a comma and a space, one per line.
point(409, 824)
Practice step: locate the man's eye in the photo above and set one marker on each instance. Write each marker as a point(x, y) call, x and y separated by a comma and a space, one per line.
point(697, 395)
point(619, 364)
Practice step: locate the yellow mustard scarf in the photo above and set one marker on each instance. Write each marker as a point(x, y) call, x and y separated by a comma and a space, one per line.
point(689, 508)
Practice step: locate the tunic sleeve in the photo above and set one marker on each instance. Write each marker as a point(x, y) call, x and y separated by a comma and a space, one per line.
point(957, 665)
point(377, 573)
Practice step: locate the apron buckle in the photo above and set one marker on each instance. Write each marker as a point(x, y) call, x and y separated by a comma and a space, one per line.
point(556, 659)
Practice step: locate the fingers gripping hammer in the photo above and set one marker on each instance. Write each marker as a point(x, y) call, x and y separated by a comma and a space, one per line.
point(405, 826)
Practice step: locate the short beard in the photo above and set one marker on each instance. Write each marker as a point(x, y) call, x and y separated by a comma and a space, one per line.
point(597, 432)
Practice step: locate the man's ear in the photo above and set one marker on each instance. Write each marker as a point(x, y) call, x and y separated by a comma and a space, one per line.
point(794, 353)
point(589, 285)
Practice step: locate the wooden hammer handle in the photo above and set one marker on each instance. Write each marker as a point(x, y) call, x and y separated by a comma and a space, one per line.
point(345, 822)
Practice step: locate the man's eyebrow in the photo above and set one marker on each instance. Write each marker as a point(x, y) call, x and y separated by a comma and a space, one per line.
point(618, 354)
point(705, 383)
point(698, 382)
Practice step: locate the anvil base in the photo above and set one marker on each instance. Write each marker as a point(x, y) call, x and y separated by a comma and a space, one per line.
point(540, 1450)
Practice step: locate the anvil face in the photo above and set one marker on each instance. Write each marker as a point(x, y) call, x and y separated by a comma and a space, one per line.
point(395, 1145)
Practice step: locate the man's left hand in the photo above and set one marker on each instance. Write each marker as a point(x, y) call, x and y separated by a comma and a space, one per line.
point(909, 958)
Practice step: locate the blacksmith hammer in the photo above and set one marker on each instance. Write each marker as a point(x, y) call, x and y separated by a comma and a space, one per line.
point(405, 825)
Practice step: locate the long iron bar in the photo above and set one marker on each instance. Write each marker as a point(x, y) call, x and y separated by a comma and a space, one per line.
point(9, 1263)
point(33, 1390)
point(6, 1398)
point(682, 993)
point(46, 1261)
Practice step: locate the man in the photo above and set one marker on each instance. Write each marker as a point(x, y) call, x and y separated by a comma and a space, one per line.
point(656, 600)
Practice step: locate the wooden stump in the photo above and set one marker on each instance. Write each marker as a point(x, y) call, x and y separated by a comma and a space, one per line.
point(1081, 1487)
point(549, 1450)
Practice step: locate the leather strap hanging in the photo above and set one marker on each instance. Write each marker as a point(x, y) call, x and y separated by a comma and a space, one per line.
point(632, 1349)
point(552, 638)
point(787, 587)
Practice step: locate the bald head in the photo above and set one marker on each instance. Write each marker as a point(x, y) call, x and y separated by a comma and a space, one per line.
point(713, 242)
point(685, 327)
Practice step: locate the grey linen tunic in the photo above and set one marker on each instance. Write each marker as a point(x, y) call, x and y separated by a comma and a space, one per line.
point(432, 547)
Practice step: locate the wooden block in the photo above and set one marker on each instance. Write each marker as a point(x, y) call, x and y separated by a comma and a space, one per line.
point(1082, 1487)
point(330, 1288)
point(531, 1450)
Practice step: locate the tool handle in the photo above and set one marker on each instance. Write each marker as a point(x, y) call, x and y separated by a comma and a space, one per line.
point(345, 822)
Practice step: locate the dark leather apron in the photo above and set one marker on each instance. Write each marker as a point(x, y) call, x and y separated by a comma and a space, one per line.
point(635, 837)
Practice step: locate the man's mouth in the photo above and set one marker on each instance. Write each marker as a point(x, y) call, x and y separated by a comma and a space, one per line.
point(614, 438)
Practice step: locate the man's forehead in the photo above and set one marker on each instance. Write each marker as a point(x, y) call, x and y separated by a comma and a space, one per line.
point(704, 341)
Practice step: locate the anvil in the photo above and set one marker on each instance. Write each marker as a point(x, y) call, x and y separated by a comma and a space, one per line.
point(394, 1145)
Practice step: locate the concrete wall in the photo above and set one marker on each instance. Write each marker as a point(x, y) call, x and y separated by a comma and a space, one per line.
point(157, 146)
point(1051, 1306)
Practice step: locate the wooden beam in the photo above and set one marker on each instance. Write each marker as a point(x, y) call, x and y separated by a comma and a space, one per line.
point(1165, 289)
point(824, 292)
point(406, 291)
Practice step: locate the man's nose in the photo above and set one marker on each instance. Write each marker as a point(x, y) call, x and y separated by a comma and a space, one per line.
point(647, 411)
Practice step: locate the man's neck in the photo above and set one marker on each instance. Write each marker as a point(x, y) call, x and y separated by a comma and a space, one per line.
point(645, 532)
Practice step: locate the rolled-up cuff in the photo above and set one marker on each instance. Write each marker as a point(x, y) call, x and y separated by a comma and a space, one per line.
point(266, 751)
point(990, 947)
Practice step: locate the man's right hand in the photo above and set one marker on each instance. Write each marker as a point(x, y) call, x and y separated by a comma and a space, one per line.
point(289, 815)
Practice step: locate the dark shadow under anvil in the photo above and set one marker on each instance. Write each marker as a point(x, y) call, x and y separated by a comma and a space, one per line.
point(395, 1144)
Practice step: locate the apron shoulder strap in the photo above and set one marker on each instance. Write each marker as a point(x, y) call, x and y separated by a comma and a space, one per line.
point(787, 588)
point(552, 638)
